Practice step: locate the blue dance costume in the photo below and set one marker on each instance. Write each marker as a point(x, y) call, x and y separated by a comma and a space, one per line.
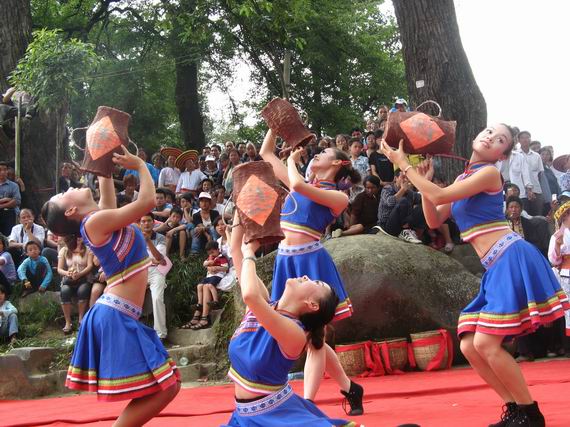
point(310, 259)
point(115, 355)
point(260, 366)
point(518, 291)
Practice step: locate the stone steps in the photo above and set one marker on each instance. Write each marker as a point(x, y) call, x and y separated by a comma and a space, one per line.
point(187, 337)
point(196, 371)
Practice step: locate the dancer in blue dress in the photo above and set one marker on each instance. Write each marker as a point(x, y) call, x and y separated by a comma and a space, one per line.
point(306, 213)
point(115, 355)
point(518, 291)
point(271, 336)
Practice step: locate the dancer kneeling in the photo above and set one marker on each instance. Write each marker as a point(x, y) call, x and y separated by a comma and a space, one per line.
point(271, 336)
point(115, 355)
point(519, 292)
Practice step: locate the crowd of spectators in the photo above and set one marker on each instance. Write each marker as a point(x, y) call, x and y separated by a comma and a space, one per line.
point(193, 205)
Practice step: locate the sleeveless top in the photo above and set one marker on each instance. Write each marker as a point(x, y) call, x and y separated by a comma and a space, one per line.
point(307, 217)
point(122, 256)
point(257, 362)
point(481, 213)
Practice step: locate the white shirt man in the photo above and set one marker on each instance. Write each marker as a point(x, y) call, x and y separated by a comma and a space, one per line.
point(190, 181)
point(168, 177)
point(515, 170)
point(534, 201)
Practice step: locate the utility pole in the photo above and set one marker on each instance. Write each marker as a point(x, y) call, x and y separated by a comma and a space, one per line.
point(286, 74)
point(18, 139)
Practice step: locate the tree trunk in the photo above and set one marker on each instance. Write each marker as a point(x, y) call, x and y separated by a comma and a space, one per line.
point(188, 105)
point(433, 53)
point(15, 33)
point(38, 135)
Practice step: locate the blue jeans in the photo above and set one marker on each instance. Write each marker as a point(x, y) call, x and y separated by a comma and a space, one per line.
point(199, 240)
point(9, 325)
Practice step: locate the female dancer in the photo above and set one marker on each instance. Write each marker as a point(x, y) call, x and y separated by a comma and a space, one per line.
point(269, 340)
point(518, 291)
point(115, 355)
point(301, 252)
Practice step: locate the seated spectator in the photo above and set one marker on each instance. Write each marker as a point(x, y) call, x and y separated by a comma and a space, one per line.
point(66, 180)
point(441, 238)
point(207, 186)
point(130, 184)
point(52, 246)
point(364, 210)
point(534, 230)
point(250, 153)
point(35, 271)
point(203, 230)
point(512, 189)
point(227, 181)
point(217, 266)
point(169, 175)
point(174, 232)
point(190, 179)
point(170, 196)
point(211, 170)
point(400, 211)
point(360, 164)
point(123, 200)
point(153, 171)
point(99, 282)
point(156, 248)
point(7, 267)
point(162, 210)
point(10, 200)
point(24, 232)
point(75, 264)
point(8, 317)
point(187, 206)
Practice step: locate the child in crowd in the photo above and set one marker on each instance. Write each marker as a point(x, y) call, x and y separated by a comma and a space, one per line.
point(217, 266)
point(8, 317)
point(35, 271)
point(7, 267)
point(175, 231)
point(162, 208)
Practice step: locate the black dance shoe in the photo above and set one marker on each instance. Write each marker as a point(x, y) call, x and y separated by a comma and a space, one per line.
point(509, 413)
point(527, 416)
point(354, 399)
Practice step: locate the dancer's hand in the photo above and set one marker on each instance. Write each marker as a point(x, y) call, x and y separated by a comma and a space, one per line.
point(397, 157)
point(249, 249)
point(425, 168)
point(127, 160)
point(296, 155)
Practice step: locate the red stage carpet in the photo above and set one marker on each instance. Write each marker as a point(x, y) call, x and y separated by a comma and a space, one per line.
point(455, 398)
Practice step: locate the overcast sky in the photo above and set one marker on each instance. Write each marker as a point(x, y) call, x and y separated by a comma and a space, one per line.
point(518, 50)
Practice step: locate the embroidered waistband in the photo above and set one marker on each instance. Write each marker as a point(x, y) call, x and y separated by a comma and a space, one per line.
point(123, 305)
point(299, 249)
point(498, 248)
point(265, 404)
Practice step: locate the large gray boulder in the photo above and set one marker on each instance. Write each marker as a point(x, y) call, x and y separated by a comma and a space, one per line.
point(396, 288)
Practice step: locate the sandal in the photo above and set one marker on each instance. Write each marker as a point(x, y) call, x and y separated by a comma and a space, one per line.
point(202, 325)
point(197, 307)
point(191, 323)
point(67, 330)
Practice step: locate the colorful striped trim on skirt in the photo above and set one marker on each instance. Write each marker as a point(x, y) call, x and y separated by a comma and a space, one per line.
point(251, 385)
point(525, 321)
point(123, 388)
point(343, 310)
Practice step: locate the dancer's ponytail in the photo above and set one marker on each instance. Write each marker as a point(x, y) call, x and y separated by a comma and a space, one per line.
point(346, 170)
point(315, 322)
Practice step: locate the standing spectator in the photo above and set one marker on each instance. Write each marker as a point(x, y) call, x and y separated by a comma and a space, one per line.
point(550, 176)
point(211, 170)
point(341, 142)
point(157, 162)
point(534, 230)
point(380, 165)
point(382, 117)
point(24, 232)
point(66, 180)
point(224, 162)
point(370, 145)
point(241, 149)
point(229, 145)
point(156, 248)
point(130, 184)
point(535, 146)
point(228, 181)
point(169, 175)
point(153, 171)
point(7, 267)
point(400, 210)
point(35, 271)
point(250, 153)
point(515, 170)
point(8, 317)
point(191, 178)
point(216, 151)
point(75, 264)
point(400, 105)
point(364, 210)
point(10, 199)
point(534, 201)
point(360, 163)
point(203, 223)
point(162, 210)
point(18, 180)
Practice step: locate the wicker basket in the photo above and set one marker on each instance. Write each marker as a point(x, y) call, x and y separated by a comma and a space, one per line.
point(394, 353)
point(352, 358)
point(285, 121)
point(432, 350)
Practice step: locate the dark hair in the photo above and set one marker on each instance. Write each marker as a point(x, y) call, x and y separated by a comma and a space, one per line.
point(3, 163)
point(353, 140)
point(207, 179)
point(217, 220)
point(346, 170)
point(149, 214)
point(130, 180)
point(211, 245)
point(176, 210)
point(4, 241)
point(514, 132)
point(3, 290)
point(217, 146)
point(374, 180)
point(523, 132)
point(123, 199)
point(161, 191)
point(515, 199)
point(314, 322)
point(57, 222)
point(71, 242)
point(187, 196)
point(378, 133)
point(31, 243)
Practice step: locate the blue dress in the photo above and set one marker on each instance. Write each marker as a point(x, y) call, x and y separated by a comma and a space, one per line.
point(115, 355)
point(302, 215)
point(260, 366)
point(518, 290)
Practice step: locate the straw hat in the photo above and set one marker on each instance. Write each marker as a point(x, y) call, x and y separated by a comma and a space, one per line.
point(183, 157)
point(561, 211)
point(166, 152)
point(561, 163)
